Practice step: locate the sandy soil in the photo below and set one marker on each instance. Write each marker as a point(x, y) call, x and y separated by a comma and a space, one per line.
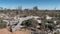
point(5, 31)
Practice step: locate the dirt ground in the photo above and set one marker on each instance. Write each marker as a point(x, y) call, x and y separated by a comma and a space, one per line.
point(5, 31)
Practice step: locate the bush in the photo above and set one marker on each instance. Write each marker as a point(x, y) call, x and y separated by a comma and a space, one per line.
point(2, 24)
point(30, 23)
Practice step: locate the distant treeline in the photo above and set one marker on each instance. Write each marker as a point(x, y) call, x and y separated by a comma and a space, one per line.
point(26, 12)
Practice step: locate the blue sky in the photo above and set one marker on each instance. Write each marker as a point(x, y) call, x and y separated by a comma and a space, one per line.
point(42, 4)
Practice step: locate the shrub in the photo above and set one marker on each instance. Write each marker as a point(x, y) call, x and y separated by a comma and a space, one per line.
point(30, 23)
point(2, 24)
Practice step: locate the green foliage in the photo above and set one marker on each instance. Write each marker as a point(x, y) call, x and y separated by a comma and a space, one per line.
point(2, 24)
point(35, 8)
point(30, 23)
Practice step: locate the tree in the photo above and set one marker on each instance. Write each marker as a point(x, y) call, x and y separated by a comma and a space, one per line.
point(19, 8)
point(35, 8)
point(26, 9)
point(1, 8)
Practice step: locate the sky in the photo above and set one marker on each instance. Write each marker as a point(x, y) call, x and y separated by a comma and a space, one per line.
point(42, 4)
